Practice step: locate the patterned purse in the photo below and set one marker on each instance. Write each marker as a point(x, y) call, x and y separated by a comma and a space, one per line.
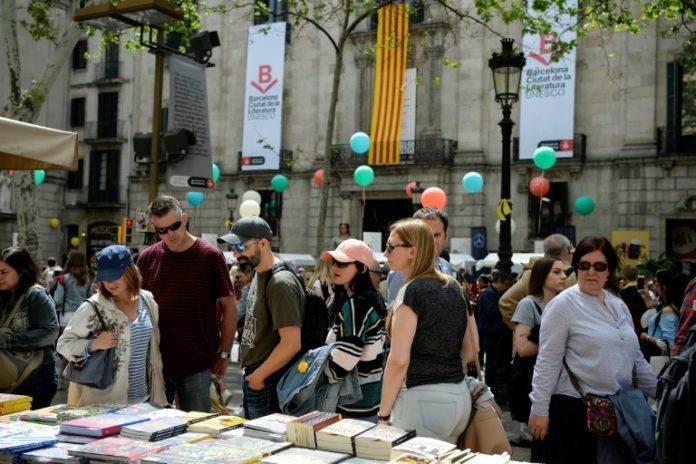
point(601, 415)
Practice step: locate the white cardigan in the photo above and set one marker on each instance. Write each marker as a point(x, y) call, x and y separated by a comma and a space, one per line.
point(74, 340)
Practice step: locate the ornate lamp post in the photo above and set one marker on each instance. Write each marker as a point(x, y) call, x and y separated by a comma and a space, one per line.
point(507, 73)
point(416, 197)
point(232, 198)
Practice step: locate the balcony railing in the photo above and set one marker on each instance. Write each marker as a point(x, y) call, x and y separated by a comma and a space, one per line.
point(95, 132)
point(285, 162)
point(108, 72)
point(421, 152)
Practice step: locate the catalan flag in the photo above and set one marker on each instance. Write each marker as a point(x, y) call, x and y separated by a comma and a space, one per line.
point(390, 76)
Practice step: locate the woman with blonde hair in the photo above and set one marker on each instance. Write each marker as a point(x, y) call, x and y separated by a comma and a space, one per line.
point(322, 281)
point(428, 326)
point(130, 315)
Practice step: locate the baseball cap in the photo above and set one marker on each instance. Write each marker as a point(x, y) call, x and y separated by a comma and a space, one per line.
point(245, 229)
point(112, 262)
point(351, 250)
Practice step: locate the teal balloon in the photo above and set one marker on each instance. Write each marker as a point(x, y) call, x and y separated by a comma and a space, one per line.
point(216, 173)
point(364, 175)
point(472, 182)
point(195, 198)
point(584, 205)
point(280, 183)
point(39, 176)
point(544, 158)
point(273, 203)
point(360, 142)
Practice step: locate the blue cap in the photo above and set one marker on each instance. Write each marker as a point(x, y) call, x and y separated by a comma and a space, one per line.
point(112, 262)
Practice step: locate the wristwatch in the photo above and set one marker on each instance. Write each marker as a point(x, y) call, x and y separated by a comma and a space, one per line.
point(223, 354)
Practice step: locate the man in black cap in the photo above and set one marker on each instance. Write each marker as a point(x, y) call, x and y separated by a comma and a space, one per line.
point(273, 321)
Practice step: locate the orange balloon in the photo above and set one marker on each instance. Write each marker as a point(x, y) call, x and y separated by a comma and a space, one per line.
point(539, 186)
point(318, 178)
point(409, 188)
point(435, 197)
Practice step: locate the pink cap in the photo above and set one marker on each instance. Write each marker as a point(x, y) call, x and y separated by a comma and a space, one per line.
point(351, 250)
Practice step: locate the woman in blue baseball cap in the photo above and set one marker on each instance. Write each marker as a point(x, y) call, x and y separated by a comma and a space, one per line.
point(131, 318)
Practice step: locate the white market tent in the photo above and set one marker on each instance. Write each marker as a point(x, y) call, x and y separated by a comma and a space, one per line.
point(26, 146)
point(519, 261)
point(298, 259)
point(458, 261)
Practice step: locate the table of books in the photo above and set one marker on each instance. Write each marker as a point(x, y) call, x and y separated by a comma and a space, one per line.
point(147, 434)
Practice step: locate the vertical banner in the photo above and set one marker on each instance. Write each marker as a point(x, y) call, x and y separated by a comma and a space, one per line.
point(547, 94)
point(390, 73)
point(188, 109)
point(479, 242)
point(263, 99)
point(408, 118)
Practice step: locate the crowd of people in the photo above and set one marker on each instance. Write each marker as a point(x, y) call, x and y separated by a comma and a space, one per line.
point(413, 338)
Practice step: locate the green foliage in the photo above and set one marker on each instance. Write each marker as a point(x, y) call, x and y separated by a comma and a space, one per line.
point(649, 267)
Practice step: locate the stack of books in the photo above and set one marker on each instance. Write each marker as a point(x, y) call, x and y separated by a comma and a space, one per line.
point(305, 456)
point(186, 437)
point(101, 425)
point(208, 452)
point(118, 449)
point(378, 442)
point(139, 409)
point(10, 403)
point(271, 427)
point(302, 430)
point(264, 447)
point(57, 453)
point(62, 412)
point(340, 435)
point(423, 447)
point(217, 425)
point(154, 429)
point(18, 437)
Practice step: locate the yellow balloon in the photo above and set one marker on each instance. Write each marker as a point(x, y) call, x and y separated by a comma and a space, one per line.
point(75, 242)
point(54, 223)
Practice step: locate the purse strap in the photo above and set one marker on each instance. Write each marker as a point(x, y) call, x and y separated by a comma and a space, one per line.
point(101, 319)
point(8, 320)
point(573, 379)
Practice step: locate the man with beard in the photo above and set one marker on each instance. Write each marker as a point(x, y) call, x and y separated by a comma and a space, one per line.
point(187, 277)
point(273, 321)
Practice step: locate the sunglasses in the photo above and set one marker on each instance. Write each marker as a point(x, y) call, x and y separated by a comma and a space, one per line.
point(341, 265)
point(599, 267)
point(390, 246)
point(164, 230)
point(378, 272)
point(239, 247)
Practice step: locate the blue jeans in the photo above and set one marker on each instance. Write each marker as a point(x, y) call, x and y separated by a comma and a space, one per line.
point(259, 403)
point(42, 386)
point(192, 392)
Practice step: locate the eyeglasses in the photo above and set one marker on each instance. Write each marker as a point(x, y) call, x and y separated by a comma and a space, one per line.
point(599, 266)
point(341, 265)
point(164, 230)
point(390, 246)
point(239, 247)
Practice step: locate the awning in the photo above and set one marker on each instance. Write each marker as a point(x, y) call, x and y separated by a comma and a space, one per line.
point(519, 261)
point(26, 146)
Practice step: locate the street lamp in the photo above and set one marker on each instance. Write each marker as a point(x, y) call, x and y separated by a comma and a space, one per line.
point(232, 197)
point(417, 193)
point(507, 73)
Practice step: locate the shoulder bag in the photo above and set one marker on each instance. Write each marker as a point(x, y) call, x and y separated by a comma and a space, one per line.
point(601, 415)
point(97, 371)
point(16, 367)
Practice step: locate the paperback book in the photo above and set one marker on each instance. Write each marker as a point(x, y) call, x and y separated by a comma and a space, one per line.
point(378, 442)
point(57, 453)
point(18, 437)
point(208, 452)
point(186, 437)
point(339, 435)
point(62, 412)
point(302, 430)
point(271, 427)
point(118, 449)
point(217, 424)
point(75, 439)
point(10, 403)
point(139, 409)
point(265, 447)
point(429, 448)
point(101, 425)
point(305, 456)
point(155, 429)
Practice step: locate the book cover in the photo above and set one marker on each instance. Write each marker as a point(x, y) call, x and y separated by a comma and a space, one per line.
point(273, 423)
point(101, 425)
point(238, 432)
point(356, 460)
point(209, 451)
point(302, 430)
point(17, 437)
point(265, 447)
point(430, 448)
point(217, 424)
point(377, 442)
point(76, 439)
point(62, 412)
point(15, 407)
point(139, 409)
point(186, 437)
point(339, 435)
point(305, 456)
point(118, 449)
point(408, 458)
point(193, 417)
point(10, 403)
point(57, 453)
point(151, 429)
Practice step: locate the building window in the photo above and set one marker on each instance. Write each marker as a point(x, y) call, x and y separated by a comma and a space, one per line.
point(416, 12)
point(103, 176)
point(75, 177)
point(77, 112)
point(549, 215)
point(79, 60)
point(681, 108)
point(111, 61)
point(270, 11)
point(107, 121)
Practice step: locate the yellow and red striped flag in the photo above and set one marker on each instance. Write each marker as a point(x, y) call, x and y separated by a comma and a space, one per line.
point(390, 75)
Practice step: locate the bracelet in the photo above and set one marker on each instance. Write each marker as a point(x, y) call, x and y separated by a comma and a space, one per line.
point(384, 418)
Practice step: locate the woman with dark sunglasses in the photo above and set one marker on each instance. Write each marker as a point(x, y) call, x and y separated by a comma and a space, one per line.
point(587, 345)
point(358, 330)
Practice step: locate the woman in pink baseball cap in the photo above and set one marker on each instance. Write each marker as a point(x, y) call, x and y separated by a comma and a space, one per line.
point(358, 330)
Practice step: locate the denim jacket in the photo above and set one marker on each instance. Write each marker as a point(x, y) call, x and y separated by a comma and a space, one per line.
point(304, 390)
point(635, 427)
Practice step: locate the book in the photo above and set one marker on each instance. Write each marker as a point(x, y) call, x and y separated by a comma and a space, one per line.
point(62, 412)
point(75, 439)
point(430, 448)
point(118, 449)
point(208, 452)
point(155, 429)
point(139, 409)
point(408, 458)
point(271, 427)
point(101, 425)
point(186, 437)
point(238, 432)
point(339, 435)
point(265, 447)
point(10, 403)
point(302, 430)
point(377, 442)
point(57, 453)
point(305, 456)
point(18, 437)
point(217, 424)
point(193, 417)
point(356, 460)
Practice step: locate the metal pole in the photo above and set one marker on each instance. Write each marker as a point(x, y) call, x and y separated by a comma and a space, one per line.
point(505, 247)
point(156, 117)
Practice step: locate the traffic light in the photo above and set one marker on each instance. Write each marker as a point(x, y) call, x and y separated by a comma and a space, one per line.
point(127, 230)
point(116, 234)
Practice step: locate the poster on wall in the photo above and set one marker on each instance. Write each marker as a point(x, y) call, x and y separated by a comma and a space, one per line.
point(681, 239)
point(632, 246)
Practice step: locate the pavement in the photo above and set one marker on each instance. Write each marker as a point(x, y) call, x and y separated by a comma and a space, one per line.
point(233, 383)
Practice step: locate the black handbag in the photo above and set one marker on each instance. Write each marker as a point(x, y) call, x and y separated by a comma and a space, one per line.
point(97, 371)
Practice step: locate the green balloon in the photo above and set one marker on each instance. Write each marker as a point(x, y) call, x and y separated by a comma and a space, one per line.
point(544, 158)
point(364, 175)
point(39, 176)
point(280, 183)
point(216, 173)
point(584, 205)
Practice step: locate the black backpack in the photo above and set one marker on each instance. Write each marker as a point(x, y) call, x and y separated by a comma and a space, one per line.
point(676, 405)
point(316, 323)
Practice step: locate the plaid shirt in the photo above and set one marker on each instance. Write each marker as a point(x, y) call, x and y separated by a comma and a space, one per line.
point(687, 316)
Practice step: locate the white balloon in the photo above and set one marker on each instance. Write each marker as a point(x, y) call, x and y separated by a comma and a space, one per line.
point(251, 195)
point(249, 208)
point(513, 226)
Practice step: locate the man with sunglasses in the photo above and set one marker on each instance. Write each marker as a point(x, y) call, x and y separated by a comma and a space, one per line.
point(188, 277)
point(273, 321)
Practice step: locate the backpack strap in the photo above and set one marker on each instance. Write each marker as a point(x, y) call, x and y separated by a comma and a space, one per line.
point(276, 268)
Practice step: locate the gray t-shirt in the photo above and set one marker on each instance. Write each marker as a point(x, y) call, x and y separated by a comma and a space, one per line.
point(526, 312)
point(442, 318)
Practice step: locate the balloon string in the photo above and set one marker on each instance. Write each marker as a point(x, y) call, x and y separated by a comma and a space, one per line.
point(541, 204)
point(362, 210)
